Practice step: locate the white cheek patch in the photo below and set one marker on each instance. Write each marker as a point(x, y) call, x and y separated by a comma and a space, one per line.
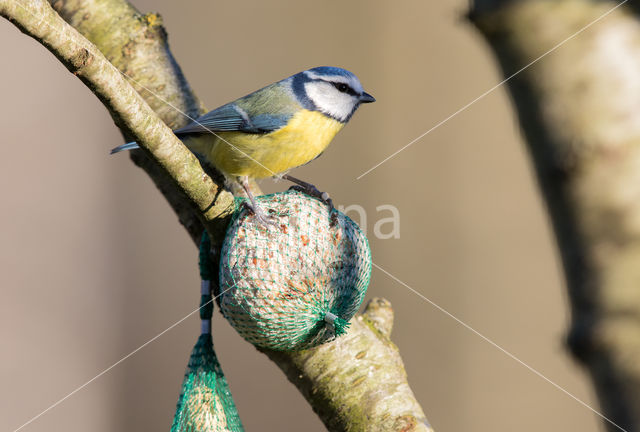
point(330, 100)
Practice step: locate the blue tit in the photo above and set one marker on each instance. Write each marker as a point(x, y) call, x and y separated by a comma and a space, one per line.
point(272, 130)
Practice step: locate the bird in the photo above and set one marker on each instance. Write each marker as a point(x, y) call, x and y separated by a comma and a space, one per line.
point(280, 127)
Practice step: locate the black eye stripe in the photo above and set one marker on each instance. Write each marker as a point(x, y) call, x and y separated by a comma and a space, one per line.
point(344, 88)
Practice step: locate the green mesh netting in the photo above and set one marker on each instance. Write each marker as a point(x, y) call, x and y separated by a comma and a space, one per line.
point(296, 284)
point(205, 403)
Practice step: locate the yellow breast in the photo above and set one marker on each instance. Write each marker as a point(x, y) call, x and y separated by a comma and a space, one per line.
point(307, 134)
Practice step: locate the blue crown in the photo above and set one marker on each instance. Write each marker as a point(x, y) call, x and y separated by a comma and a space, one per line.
point(331, 70)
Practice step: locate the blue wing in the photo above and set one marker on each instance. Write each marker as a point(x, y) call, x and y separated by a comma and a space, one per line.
point(263, 111)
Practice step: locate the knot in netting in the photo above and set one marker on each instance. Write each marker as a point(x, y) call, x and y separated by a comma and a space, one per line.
point(295, 284)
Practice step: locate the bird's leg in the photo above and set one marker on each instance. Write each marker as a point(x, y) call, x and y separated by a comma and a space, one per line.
point(254, 207)
point(310, 190)
point(313, 191)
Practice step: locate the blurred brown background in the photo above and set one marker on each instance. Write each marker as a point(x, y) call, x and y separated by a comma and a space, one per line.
point(94, 263)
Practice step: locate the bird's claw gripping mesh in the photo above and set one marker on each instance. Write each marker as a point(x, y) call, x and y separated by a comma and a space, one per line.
point(294, 284)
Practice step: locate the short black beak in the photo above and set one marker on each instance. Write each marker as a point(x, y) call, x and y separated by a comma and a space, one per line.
point(366, 98)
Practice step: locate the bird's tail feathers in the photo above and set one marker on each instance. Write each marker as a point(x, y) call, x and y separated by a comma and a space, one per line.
point(128, 146)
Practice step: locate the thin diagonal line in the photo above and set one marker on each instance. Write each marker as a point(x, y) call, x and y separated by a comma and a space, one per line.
point(440, 123)
point(118, 362)
point(495, 345)
point(19, 3)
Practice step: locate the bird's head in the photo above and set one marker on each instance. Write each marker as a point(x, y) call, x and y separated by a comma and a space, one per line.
point(333, 91)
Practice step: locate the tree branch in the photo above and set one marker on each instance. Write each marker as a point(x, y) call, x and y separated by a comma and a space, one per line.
point(358, 382)
point(137, 45)
point(355, 383)
point(578, 108)
point(128, 109)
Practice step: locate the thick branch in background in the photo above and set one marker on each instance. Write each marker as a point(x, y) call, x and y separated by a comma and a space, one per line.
point(579, 109)
point(355, 383)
